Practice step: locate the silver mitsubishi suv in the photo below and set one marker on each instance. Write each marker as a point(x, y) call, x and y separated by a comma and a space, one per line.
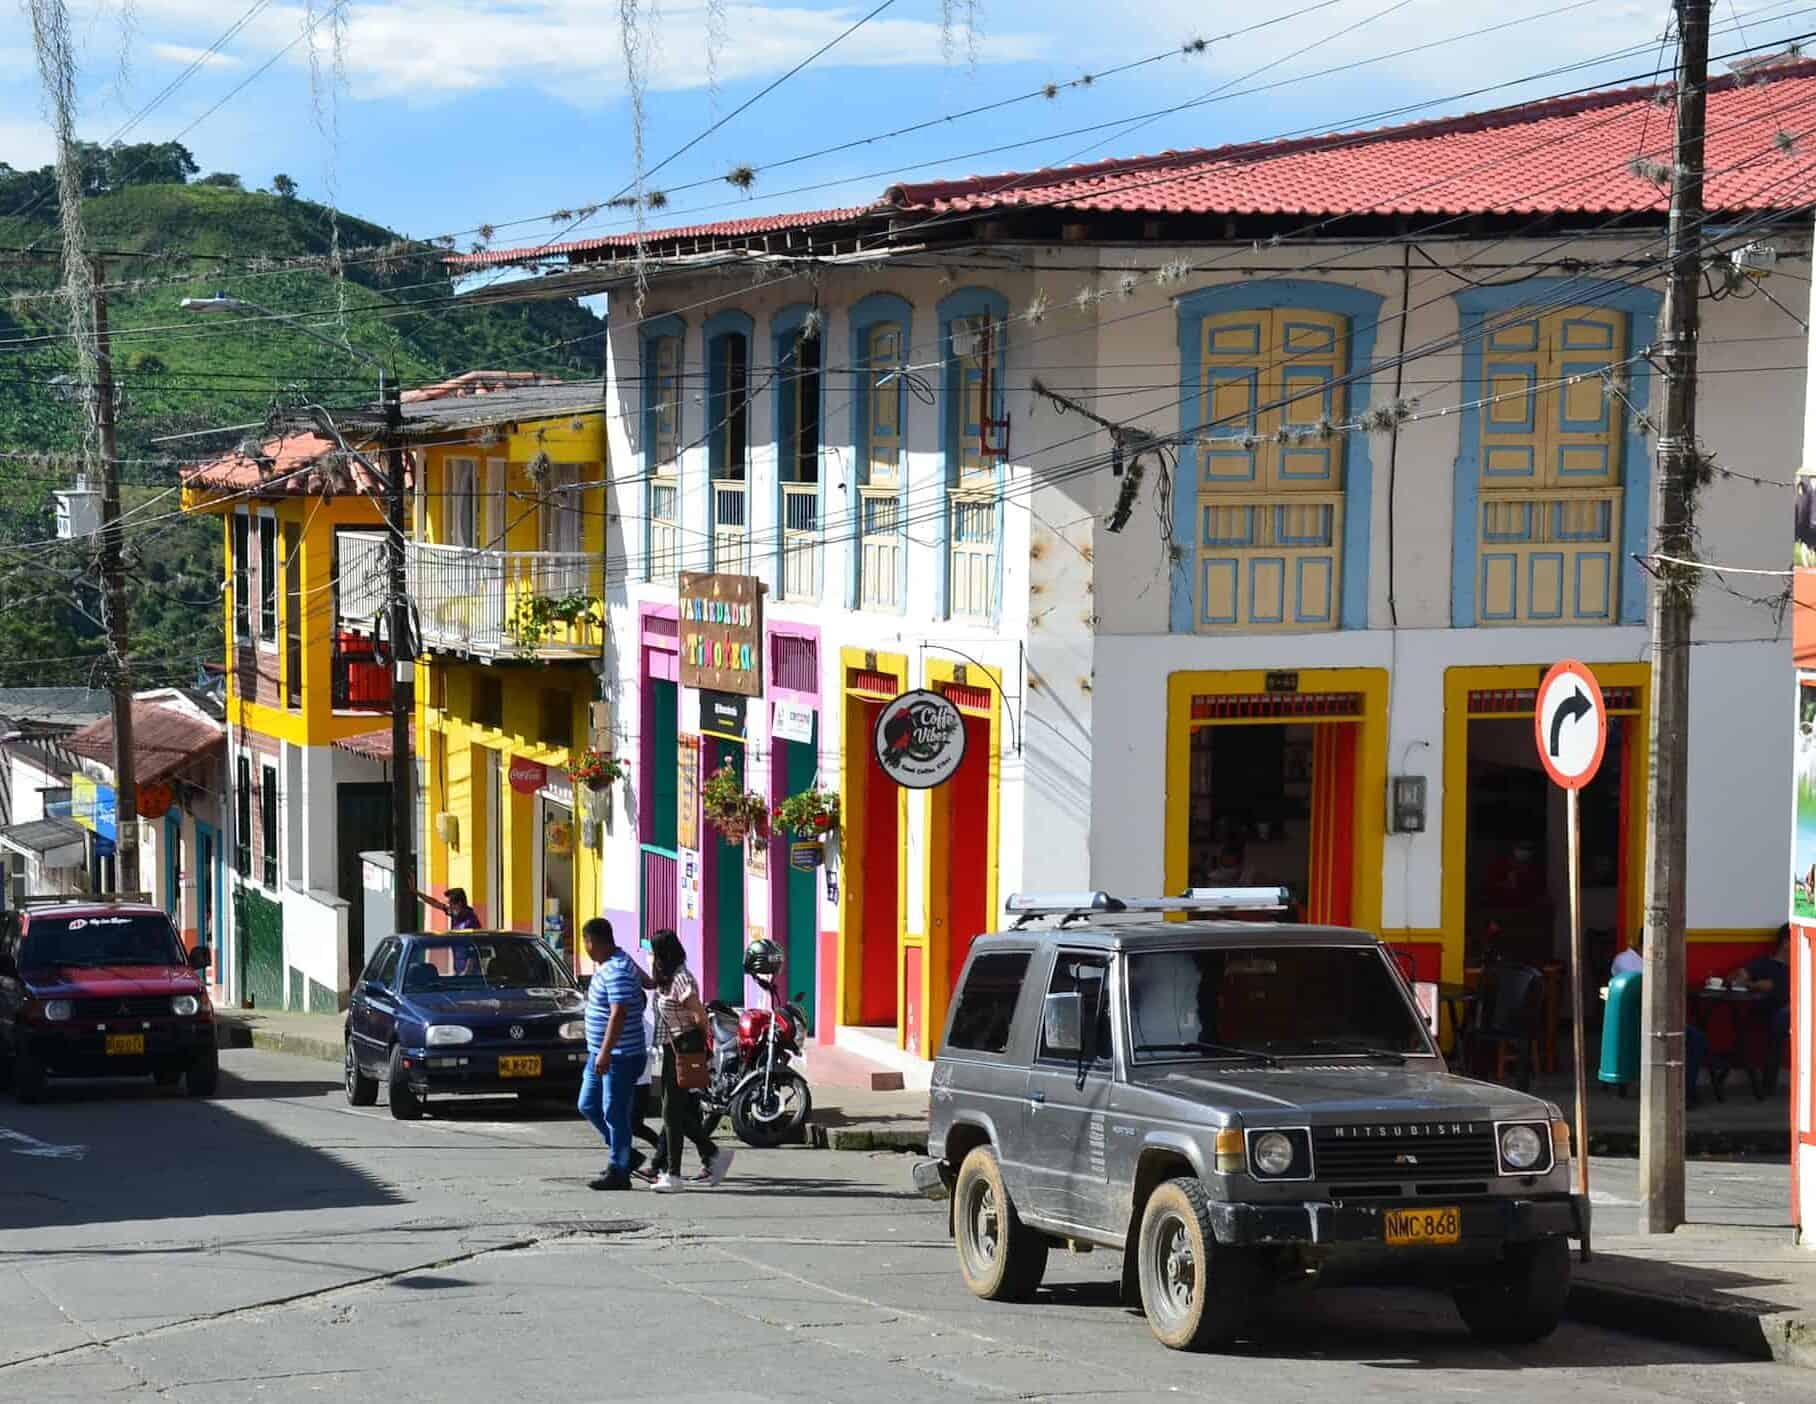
point(1233, 1105)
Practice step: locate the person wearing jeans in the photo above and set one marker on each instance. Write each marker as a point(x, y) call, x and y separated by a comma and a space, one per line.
point(680, 1028)
point(615, 1050)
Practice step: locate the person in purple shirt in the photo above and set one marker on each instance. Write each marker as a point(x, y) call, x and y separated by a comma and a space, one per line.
point(461, 917)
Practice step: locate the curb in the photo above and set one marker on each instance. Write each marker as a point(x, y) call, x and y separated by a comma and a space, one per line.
point(867, 1138)
point(235, 1033)
point(1787, 1337)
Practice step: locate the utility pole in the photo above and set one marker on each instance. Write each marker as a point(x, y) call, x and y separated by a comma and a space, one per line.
point(403, 670)
point(1661, 1127)
point(113, 582)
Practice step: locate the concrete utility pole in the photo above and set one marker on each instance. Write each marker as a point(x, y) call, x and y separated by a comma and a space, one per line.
point(403, 670)
point(1661, 1126)
point(113, 583)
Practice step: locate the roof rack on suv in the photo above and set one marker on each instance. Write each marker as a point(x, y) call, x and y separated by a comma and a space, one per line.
point(1078, 906)
point(88, 899)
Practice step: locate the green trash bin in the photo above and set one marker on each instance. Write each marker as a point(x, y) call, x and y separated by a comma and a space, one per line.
point(1620, 1031)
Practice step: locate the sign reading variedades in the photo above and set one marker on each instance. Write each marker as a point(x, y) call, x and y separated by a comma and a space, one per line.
point(528, 776)
point(722, 633)
point(920, 740)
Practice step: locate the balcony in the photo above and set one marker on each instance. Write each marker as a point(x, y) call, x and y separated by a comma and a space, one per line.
point(731, 528)
point(973, 554)
point(800, 541)
point(360, 682)
point(664, 530)
point(493, 604)
point(880, 548)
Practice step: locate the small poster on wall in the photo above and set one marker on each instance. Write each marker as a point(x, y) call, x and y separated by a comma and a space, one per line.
point(690, 885)
point(687, 794)
point(756, 856)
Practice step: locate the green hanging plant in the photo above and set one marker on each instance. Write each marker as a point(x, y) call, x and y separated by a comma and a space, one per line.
point(539, 617)
point(812, 814)
point(730, 808)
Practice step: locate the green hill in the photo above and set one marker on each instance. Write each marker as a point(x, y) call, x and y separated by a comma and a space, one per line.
point(178, 372)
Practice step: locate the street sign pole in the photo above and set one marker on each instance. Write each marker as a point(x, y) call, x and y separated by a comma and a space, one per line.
point(1570, 726)
point(1574, 825)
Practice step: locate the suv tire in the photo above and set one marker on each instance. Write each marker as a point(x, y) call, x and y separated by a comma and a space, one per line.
point(1000, 1257)
point(405, 1104)
point(1520, 1299)
point(1196, 1294)
point(362, 1091)
point(204, 1075)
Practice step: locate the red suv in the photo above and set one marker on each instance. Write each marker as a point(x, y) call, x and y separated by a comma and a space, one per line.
point(102, 989)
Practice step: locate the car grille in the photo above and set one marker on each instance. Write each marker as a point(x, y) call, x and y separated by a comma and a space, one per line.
point(131, 1007)
point(1447, 1150)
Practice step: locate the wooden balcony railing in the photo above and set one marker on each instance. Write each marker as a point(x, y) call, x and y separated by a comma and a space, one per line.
point(879, 548)
point(800, 541)
point(731, 528)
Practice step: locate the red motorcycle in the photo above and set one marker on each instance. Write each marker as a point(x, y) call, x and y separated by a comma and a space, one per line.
point(753, 1078)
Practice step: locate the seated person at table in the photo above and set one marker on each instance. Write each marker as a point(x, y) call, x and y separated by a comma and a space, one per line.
point(1770, 975)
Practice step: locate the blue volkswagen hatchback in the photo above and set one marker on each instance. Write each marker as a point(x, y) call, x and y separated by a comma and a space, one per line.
point(463, 1011)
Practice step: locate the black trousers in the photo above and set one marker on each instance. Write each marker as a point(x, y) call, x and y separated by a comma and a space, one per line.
point(681, 1111)
point(640, 1119)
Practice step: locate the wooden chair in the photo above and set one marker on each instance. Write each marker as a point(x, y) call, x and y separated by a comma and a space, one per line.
point(1506, 1021)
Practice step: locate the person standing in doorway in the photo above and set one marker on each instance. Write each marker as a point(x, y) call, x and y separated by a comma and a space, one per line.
point(680, 1028)
point(615, 1049)
point(461, 917)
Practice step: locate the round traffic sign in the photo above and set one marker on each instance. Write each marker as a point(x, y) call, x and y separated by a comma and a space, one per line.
point(1570, 724)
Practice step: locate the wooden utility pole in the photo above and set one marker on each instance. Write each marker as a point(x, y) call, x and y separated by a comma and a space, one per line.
point(113, 584)
point(1661, 1127)
point(403, 671)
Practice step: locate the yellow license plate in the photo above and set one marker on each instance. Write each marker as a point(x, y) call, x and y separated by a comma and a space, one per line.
point(520, 1065)
point(126, 1045)
point(1407, 1228)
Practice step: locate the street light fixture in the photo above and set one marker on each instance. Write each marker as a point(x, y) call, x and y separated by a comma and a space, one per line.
point(403, 804)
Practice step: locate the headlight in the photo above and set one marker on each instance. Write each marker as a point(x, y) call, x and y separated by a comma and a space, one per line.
point(441, 1035)
point(1272, 1153)
point(57, 1010)
point(1522, 1148)
point(185, 1004)
point(574, 1029)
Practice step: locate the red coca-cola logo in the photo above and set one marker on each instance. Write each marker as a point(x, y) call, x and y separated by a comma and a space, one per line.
point(528, 776)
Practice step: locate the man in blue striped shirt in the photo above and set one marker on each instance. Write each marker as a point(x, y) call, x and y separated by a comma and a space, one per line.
point(615, 1049)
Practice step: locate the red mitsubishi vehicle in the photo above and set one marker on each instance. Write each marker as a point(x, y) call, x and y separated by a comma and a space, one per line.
point(102, 989)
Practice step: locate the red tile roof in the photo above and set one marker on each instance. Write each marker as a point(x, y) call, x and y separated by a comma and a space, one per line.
point(164, 740)
point(373, 745)
point(1558, 156)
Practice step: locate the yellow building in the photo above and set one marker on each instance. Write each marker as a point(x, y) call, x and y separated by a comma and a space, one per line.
point(507, 578)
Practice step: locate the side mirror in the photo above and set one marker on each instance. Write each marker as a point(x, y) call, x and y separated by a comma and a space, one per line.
point(201, 958)
point(1062, 1024)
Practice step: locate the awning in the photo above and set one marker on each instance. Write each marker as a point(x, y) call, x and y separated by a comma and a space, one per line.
point(56, 843)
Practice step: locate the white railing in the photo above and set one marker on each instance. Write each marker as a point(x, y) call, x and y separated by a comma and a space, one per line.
point(973, 553)
point(800, 541)
point(731, 528)
point(879, 548)
point(362, 576)
point(664, 529)
point(484, 602)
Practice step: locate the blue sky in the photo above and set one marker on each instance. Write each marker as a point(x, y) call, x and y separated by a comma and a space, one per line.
point(454, 114)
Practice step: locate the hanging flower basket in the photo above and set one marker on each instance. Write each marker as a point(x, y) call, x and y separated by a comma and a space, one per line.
point(811, 814)
point(730, 808)
point(598, 770)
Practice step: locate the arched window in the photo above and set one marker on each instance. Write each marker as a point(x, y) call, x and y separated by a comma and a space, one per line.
point(880, 330)
point(664, 344)
point(728, 393)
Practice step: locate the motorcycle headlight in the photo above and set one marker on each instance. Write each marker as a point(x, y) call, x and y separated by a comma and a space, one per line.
point(185, 1004)
point(57, 1010)
point(574, 1029)
point(441, 1035)
point(1522, 1148)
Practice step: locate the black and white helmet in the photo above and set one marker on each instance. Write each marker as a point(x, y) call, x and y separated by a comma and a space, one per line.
point(762, 957)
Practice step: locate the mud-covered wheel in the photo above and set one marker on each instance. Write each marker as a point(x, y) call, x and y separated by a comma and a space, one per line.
point(1520, 1299)
point(1002, 1259)
point(1196, 1294)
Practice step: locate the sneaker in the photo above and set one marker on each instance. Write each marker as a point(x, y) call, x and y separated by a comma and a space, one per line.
point(667, 1184)
point(720, 1168)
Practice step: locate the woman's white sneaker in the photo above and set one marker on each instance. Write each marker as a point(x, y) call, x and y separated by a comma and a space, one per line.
point(666, 1184)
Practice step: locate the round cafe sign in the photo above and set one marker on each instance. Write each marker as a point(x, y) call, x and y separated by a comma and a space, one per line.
point(920, 740)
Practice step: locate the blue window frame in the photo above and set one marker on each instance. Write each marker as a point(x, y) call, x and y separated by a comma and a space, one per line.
point(882, 335)
point(664, 341)
point(728, 338)
point(973, 326)
point(797, 343)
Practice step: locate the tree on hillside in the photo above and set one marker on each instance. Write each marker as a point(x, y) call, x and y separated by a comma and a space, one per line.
point(227, 180)
point(284, 186)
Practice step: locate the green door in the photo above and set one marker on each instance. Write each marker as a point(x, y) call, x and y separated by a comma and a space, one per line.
point(261, 930)
point(801, 770)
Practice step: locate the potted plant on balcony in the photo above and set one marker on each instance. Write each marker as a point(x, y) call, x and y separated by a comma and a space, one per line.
point(730, 808)
point(809, 818)
point(539, 617)
point(598, 770)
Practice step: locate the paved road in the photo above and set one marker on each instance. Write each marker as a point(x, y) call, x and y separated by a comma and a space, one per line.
point(278, 1244)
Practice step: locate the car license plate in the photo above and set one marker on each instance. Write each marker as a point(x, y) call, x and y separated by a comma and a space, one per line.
point(520, 1065)
point(1407, 1228)
point(126, 1045)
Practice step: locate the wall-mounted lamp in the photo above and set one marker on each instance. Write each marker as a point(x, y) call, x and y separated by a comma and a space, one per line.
point(1406, 804)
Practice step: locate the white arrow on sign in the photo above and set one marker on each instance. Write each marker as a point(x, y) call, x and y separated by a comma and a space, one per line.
point(1570, 724)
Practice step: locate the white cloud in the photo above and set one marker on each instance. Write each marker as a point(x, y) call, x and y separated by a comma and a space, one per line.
point(185, 55)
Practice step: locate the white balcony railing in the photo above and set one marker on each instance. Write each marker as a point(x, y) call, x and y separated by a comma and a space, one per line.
point(800, 541)
point(973, 554)
point(664, 529)
point(879, 548)
point(361, 576)
point(731, 528)
point(486, 603)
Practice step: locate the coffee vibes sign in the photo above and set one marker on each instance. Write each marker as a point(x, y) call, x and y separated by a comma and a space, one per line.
point(920, 740)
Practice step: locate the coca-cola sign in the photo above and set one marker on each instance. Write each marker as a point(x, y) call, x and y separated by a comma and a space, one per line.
point(528, 776)
point(920, 740)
